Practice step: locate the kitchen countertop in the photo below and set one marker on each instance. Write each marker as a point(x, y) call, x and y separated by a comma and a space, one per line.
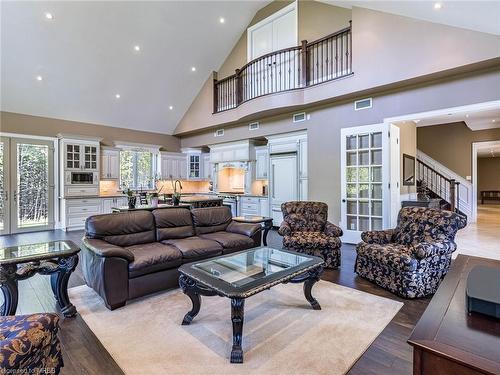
point(146, 207)
point(198, 198)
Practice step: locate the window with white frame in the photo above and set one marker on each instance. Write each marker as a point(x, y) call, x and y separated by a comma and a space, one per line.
point(137, 169)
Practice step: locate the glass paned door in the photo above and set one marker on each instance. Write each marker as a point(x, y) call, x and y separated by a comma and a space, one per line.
point(4, 186)
point(32, 185)
point(365, 179)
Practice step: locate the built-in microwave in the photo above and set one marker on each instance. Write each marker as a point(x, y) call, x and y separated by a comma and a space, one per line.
point(82, 178)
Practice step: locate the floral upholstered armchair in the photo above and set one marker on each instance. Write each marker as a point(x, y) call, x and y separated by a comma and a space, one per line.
point(29, 344)
point(412, 259)
point(305, 229)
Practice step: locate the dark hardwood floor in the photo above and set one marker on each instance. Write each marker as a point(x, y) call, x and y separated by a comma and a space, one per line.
point(84, 354)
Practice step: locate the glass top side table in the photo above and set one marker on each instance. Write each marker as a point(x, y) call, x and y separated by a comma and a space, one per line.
point(55, 258)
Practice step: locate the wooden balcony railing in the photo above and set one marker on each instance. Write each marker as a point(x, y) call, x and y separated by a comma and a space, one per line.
point(309, 64)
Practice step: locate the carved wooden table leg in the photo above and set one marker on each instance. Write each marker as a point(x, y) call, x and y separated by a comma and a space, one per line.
point(309, 278)
point(308, 284)
point(8, 284)
point(188, 286)
point(59, 283)
point(237, 313)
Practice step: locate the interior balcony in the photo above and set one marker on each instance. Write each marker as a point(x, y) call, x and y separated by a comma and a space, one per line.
point(286, 70)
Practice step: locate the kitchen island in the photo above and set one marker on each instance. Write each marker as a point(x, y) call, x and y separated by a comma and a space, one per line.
point(201, 201)
point(147, 207)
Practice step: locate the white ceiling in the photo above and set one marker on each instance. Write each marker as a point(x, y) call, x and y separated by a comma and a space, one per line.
point(86, 56)
point(469, 14)
point(477, 120)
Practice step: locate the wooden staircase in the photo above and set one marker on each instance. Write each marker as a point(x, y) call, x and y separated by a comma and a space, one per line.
point(434, 185)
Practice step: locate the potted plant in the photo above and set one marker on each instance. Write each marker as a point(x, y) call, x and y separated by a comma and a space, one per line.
point(131, 198)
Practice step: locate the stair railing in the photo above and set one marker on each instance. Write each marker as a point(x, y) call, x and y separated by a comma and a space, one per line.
point(444, 187)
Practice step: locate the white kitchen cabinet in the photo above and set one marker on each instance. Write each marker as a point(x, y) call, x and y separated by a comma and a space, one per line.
point(110, 164)
point(109, 203)
point(173, 166)
point(207, 167)
point(76, 211)
point(262, 163)
point(253, 205)
point(80, 156)
point(232, 151)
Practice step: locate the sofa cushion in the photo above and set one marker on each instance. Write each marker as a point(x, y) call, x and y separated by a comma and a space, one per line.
point(394, 256)
point(211, 219)
point(173, 223)
point(311, 240)
point(193, 248)
point(153, 257)
point(122, 229)
point(233, 241)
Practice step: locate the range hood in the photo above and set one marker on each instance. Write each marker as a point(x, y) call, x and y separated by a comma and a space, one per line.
point(233, 164)
point(241, 151)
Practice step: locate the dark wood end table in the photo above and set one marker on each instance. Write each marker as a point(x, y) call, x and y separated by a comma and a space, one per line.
point(243, 274)
point(55, 258)
point(251, 219)
point(449, 340)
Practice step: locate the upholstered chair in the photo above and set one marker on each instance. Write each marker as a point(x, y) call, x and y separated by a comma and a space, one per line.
point(305, 229)
point(29, 344)
point(412, 259)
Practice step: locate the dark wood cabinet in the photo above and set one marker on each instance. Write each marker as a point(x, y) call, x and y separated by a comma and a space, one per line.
point(447, 340)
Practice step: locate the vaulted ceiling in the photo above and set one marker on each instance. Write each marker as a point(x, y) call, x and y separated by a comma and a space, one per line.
point(139, 64)
point(479, 15)
point(72, 59)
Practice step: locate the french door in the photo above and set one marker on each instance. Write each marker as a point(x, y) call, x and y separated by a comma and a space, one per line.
point(27, 185)
point(370, 179)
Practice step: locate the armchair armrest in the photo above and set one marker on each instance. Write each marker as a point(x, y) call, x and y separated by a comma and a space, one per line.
point(245, 229)
point(428, 249)
point(106, 250)
point(380, 237)
point(332, 230)
point(285, 229)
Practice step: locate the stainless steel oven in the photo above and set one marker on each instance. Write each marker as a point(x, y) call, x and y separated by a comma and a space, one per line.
point(82, 178)
point(230, 201)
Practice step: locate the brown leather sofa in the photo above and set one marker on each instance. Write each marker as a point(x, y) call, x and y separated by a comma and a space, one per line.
point(129, 255)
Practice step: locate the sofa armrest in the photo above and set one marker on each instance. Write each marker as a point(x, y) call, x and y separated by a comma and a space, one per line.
point(333, 230)
point(285, 229)
point(246, 229)
point(380, 237)
point(428, 249)
point(107, 250)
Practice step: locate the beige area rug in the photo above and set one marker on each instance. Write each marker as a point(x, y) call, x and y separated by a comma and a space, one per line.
point(282, 334)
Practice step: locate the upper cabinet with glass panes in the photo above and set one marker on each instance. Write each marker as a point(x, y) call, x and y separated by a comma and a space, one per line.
point(81, 156)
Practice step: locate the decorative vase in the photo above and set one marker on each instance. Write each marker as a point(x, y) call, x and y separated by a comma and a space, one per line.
point(154, 201)
point(131, 202)
point(175, 200)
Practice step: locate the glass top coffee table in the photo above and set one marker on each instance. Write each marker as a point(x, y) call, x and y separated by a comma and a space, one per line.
point(241, 275)
point(55, 258)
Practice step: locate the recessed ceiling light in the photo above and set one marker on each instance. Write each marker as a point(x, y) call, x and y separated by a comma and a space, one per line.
point(493, 120)
point(193, 69)
point(49, 16)
point(118, 96)
point(39, 78)
point(137, 48)
point(222, 20)
point(438, 5)
point(171, 107)
point(467, 116)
